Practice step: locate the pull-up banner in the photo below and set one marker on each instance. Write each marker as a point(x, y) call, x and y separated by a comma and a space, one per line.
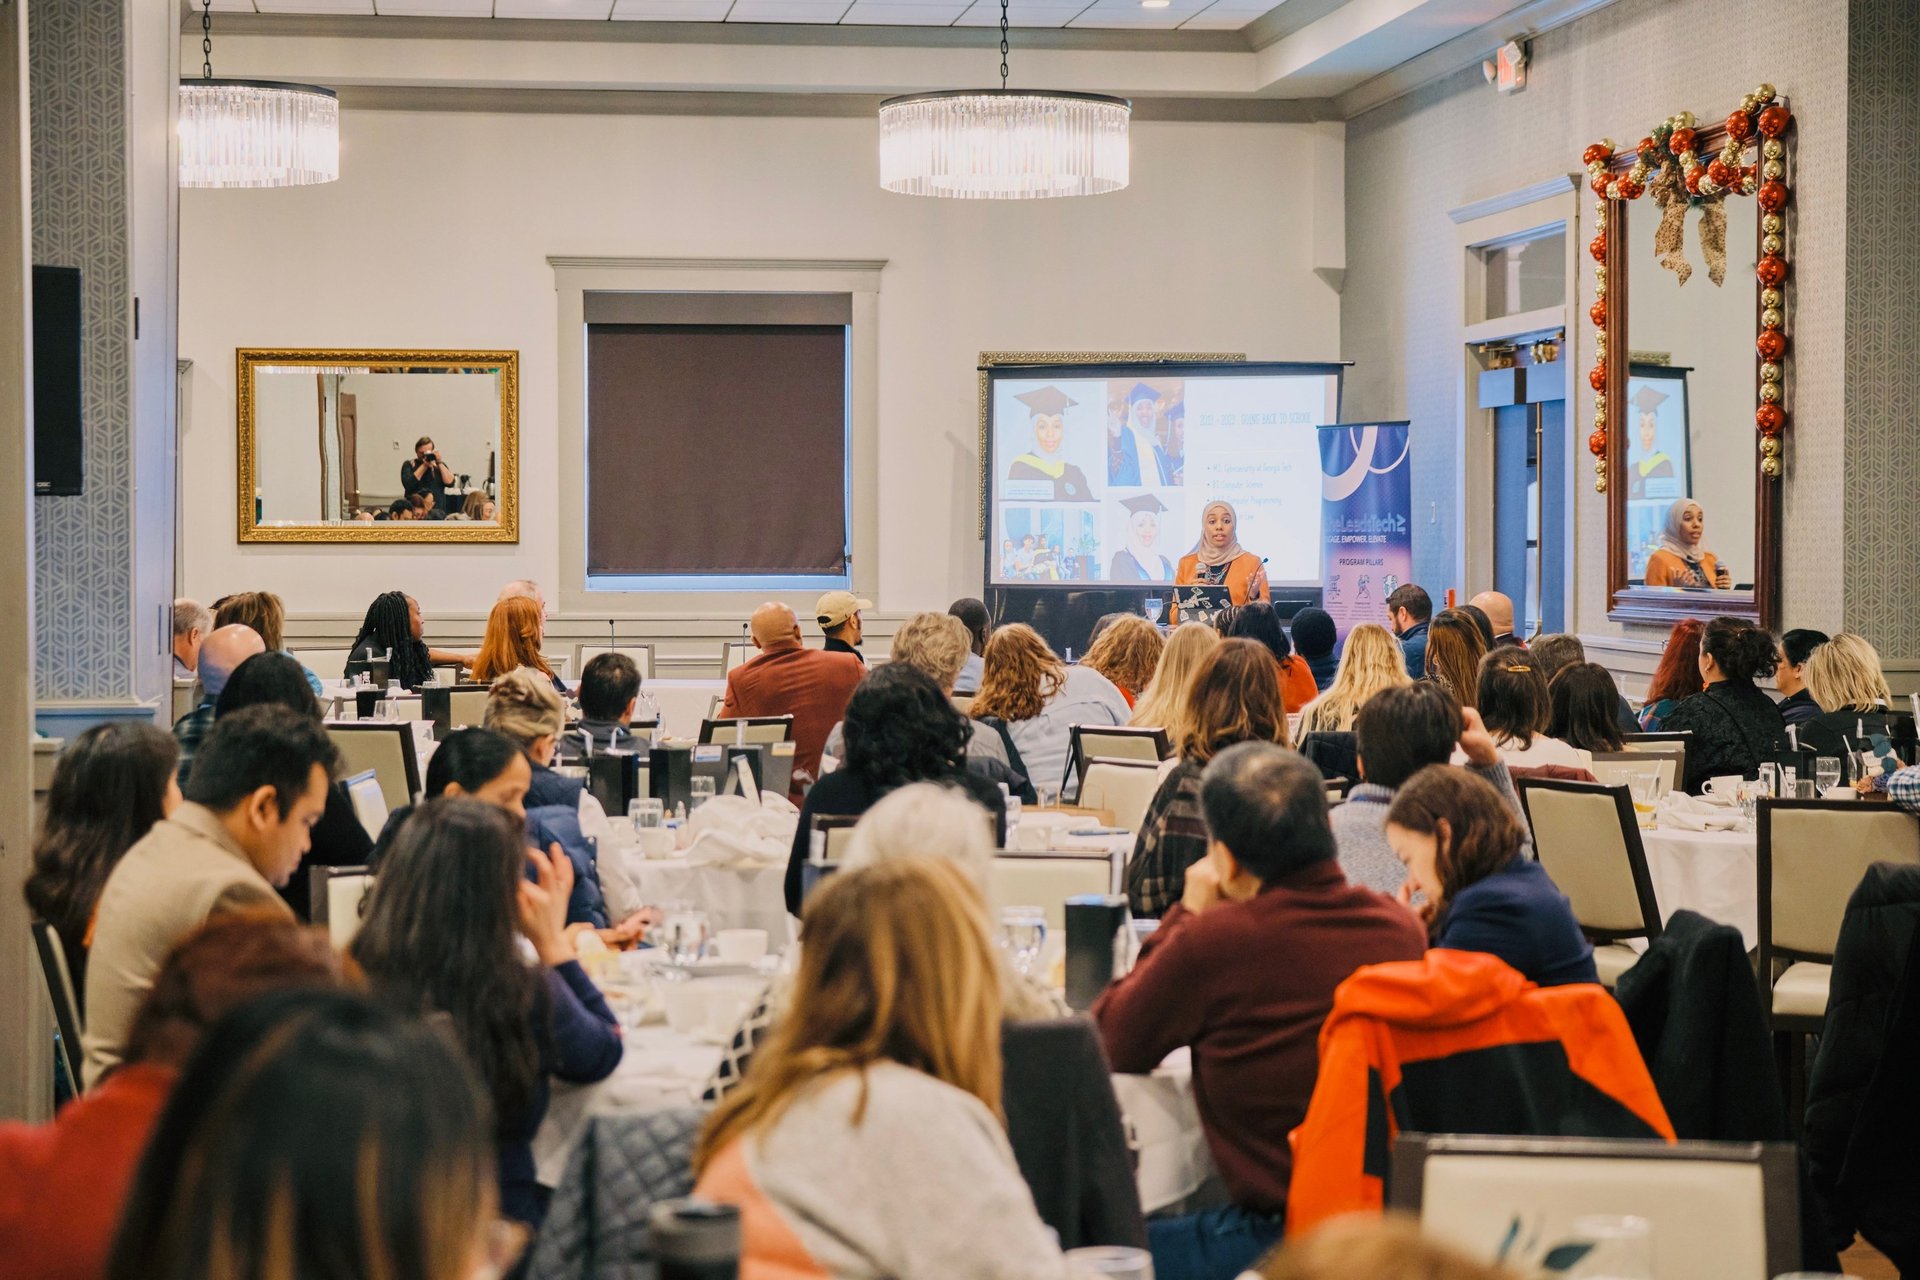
point(1366, 529)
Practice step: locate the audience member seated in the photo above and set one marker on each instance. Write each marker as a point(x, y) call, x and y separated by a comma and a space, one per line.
point(1410, 612)
point(1256, 620)
point(1236, 698)
point(1033, 700)
point(1514, 705)
point(608, 688)
point(1315, 638)
point(316, 1134)
point(1734, 725)
point(1371, 663)
point(900, 728)
point(1846, 680)
point(1399, 733)
point(192, 623)
point(788, 679)
point(1481, 622)
point(1165, 702)
point(515, 630)
point(525, 589)
point(220, 656)
point(974, 617)
point(339, 839)
point(1364, 1247)
point(1466, 851)
point(1498, 610)
point(257, 789)
point(111, 785)
point(62, 1184)
point(1455, 646)
point(867, 1140)
point(1585, 708)
point(1554, 653)
point(838, 616)
point(1797, 705)
point(262, 611)
point(442, 932)
point(1677, 678)
point(1243, 970)
point(1127, 653)
point(393, 626)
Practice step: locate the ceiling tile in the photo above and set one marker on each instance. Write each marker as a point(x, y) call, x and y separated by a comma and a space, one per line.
point(583, 9)
point(434, 8)
point(312, 6)
point(986, 13)
point(1138, 20)
point(233, 6)
point(1219, 18)
point(867, 13)
point(807, 11)
point(671, 10)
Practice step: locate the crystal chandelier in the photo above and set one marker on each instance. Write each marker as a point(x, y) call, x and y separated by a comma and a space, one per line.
point(1004, 144)
point(254, 133)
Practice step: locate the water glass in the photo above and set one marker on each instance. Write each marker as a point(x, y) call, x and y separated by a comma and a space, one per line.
point(1827, 771)
point(1023, 933)
point(1110, 1261)
point(646, 813)
point(1645, 786)
point(683, 933)
point(1622, 1247)
point(1047, 794)
point(699, 791)
point(1153, 605)
point(1803, 789)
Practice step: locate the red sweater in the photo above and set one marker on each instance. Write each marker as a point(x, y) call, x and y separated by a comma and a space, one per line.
point(810, 685)
point(1247, 985)
point(62, 1185)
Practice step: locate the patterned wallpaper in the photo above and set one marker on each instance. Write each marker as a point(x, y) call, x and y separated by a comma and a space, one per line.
point(83, 572)
point(1610, 74)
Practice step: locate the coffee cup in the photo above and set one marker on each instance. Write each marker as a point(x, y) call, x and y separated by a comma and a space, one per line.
point(741, 946)
point(1725, 786)
point(687, 1008)
point(655, 842)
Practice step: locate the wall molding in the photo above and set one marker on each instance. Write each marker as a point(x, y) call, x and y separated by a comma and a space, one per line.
point(1518, 198)
point(561, 262)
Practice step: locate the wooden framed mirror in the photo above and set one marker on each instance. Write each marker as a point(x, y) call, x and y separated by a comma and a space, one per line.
point(378, 445)
point(1690, 384)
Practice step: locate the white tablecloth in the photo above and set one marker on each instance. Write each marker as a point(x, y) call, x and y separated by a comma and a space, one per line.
point(1710, 872)
point(684, 703)
point(1174, 1160)
point(732, 898)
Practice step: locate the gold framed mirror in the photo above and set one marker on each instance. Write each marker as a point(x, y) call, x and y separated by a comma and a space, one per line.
point(378, 445)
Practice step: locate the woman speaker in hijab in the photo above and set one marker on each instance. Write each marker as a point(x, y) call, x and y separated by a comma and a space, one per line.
point(1044, 462)
point(1218, 559)
point(1140, 560)
point(1681, 560)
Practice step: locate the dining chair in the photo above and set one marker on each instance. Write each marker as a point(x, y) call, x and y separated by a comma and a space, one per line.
point(1124, 788)
point(1087, 743)
point(61, 993)
point(1587, 838)
point(387, 749)
point(641, 655)
point(1047, 880)
point(336, 896)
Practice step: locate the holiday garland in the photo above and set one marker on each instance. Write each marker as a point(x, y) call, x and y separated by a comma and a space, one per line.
point(1667, 165)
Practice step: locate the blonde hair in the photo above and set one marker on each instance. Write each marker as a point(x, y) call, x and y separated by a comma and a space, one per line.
point(1127, 652)
point(1372, 662)
point(896, 965)
point(524, 707)
point(512, 640)
point(1163, 703)
point(1844, 675)
point(936, 643)
point(260, 610)
point(1019, 674)
point(1389, 1248)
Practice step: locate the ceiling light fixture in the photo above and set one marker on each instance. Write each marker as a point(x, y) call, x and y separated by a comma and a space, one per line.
point(1004, 144)
point(1155, 4)
point(254, 133)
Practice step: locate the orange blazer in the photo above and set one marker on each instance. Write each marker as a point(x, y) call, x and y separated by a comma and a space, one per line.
point(1665, 568)
point(1242, 575)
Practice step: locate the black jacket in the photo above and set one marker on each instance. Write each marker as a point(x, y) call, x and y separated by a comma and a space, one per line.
point(1863, 1136)
point(1734, 726)
point(338, 840)
point(1336, 755)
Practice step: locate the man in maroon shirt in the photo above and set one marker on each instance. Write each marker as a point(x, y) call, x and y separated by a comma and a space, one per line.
point(1243, 969)
point(789, 679)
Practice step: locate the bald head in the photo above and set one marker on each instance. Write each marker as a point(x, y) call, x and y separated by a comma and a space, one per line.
point(224, 650)
point(773, 622)
point(1499, 611)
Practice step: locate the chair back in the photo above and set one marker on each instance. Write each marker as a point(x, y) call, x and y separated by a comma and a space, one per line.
point(641, 655)
point(460, 706)
point(66, 1005)
point(335, 898)
point(827, 849)
point(1065, 1127)
point(328, 664)
point(369, 801)
point(962, 702)
point(183, 699)
point(1586, 837)
point(387, 749)
point(1087, 743)
point(1047, 880)
point(1619, 768)
point(1717, 1208)
point(1123, 788)
point(736, 653)
point(1812, 855)
point(747, 730)
point(1665, 743)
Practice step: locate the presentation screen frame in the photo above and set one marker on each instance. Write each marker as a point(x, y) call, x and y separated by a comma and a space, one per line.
point(998, 366)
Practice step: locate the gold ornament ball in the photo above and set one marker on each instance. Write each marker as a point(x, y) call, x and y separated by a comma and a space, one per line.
point(1770, 467)
point(1772, 244)
point(1769, 372)
point(1600, 421)
point(1686, 119)
point(1765, 93)
point(1770, 446)
point(1770, 392)
point(1773, 149)
point(1773, 224)
point(1600, 402)
point(1600, 274)
point(1772, 170)
point(1749, 185)
point(1771, 318)
point(1771, 297)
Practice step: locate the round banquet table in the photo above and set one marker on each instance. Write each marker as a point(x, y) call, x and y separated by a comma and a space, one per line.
point(1709, 872)
point(731, 897)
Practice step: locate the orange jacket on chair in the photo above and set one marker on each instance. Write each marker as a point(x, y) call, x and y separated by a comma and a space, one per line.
point(1459, 1042)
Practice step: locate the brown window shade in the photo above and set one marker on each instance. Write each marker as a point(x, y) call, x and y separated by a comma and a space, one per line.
point(716, 449)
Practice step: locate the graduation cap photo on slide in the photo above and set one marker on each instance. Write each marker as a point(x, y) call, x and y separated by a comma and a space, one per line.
point(1047, 399)
point(1145, 502)
point(1042, 472)
point(1649, 398)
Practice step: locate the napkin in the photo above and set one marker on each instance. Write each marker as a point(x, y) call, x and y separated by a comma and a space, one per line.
point(1692, 813)
point(733, 831)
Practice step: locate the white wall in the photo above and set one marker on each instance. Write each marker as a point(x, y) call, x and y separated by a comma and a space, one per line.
point(286, 467)
point(438, 232)
point(393, 410)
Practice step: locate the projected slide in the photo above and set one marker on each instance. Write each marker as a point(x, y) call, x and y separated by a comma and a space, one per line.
point(1102, 479)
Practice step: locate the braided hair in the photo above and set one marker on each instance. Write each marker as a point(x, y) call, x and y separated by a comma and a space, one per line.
point(389, 625)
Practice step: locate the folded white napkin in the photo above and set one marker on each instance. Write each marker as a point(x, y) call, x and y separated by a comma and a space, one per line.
point(733, 831)
point(1683, 812)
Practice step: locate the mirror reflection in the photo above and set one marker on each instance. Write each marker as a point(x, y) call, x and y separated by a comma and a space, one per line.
point(346, 445)
point(1690, 462)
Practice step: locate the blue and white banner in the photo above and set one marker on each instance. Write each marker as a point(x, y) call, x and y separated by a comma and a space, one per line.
point(1366, 529)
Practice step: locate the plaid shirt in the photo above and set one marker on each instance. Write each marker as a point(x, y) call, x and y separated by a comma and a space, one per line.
point(1173, 836)
point(190, 730)
point(1903, 788)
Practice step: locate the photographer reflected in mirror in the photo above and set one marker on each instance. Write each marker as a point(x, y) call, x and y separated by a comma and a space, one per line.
point(426, 473)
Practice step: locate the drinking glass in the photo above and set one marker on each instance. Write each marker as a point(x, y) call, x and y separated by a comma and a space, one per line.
point(1110, 1260)
point(1645, 785)
point(1023, 932)
point(684, 932)
point(1622, 1247)
point(646, 813)
point(699, 791)
point(1826, 770)
point(1750, 803)
point(1153, 605)
point(384, 709)
point(1803, 789)
point(1047, 794)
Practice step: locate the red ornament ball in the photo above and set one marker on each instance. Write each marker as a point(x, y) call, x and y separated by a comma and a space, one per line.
point(1774, 121)
point(1772, 196)
point(1722, 173)
point(1598, 314)
point(1739, 126)
point(1599, 185)
point(1681, 141)
point(1597, 443)
point(1770, 418)
point(1597, 377)
point(1694, 178)
point(1631, 190)
point(1772, 270)
point(1596, 153)
point(1597, 247)
point(1772, 344)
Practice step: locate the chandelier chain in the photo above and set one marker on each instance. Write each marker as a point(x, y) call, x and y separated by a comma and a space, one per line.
point(206, 39)
point(1003, 42)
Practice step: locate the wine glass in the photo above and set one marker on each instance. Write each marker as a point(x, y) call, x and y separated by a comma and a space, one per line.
point(646, 812)
point(1153, 605)
point(1622, 1247)
point(683, 932)
point(1826, 771)
point(1023, 932)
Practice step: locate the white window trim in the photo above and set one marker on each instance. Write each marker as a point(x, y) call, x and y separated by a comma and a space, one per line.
point(574, 278)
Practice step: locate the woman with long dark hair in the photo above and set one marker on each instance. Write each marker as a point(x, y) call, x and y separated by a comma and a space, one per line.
point(1516, 708)
point(1256, 620)
point(1677, 678)
point(1455, 646)
point(1734, 725)
point(393, 626)
point(899, 728)
point(1585, 704)
point(108, 790)
point(441, 936)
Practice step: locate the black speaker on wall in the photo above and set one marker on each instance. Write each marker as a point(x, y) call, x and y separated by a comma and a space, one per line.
point(56, 380)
